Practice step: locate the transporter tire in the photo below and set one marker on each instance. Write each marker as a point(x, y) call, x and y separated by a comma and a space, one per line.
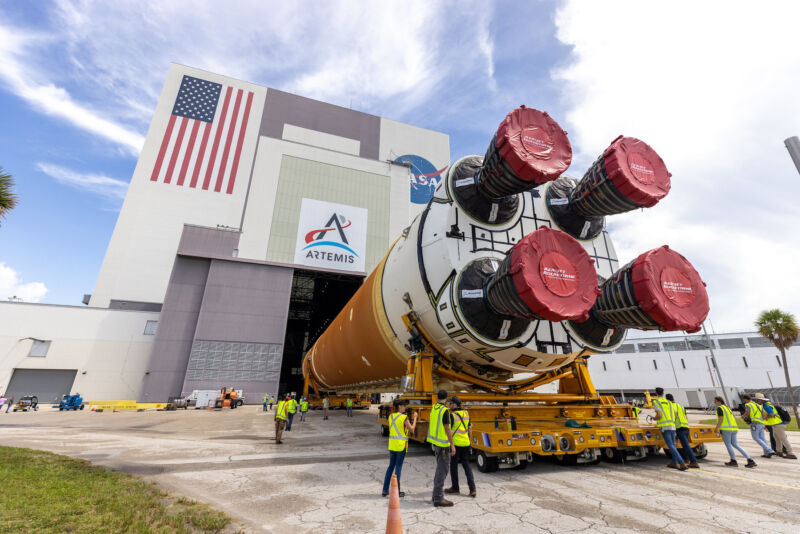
point(486, 464)
point(565, 459)
point(701, 451)
point(613, 455)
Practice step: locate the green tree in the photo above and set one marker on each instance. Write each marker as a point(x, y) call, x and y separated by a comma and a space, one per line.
point(781, 328)
point(8, 199)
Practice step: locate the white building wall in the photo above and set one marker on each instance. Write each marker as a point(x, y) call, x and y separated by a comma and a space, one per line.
point(139, 257)
point(108, 348)
point(762, 366)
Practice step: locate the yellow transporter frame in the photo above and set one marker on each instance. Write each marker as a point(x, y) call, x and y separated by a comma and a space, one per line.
point(338, 401)
point(510, 424)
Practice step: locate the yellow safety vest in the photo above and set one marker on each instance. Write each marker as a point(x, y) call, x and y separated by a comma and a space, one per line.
point(756, 413)
point(461, 428)
point(680, 416)
point(773, 419)
point(303, 406)
point(264, 400)
point(281, 413)
point(292, 406)
point(728, 420)
point(667, 417)
point(636, 411)
point(398, 434)
point(436, 432)
point(349, 403)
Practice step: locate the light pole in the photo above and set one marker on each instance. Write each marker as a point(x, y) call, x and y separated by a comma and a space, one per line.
point(771, 386)
point(716, 367)
point(793, 146)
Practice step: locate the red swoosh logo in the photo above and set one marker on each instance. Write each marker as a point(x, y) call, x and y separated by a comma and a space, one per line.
point(310, 235)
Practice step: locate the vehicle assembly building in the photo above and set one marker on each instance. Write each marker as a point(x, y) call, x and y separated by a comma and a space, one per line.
point(251, 218)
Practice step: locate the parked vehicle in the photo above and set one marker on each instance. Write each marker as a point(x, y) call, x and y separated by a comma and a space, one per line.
point(28, 402)
point(71, 402)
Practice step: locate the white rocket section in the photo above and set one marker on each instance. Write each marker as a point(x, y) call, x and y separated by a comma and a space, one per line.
point(427, 250)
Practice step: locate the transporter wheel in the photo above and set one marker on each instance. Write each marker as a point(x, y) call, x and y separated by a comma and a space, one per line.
point(701, 451)
point(565, 459)
point(613, 455)
point(384, 431)
point(81, 407)
point(486, 464)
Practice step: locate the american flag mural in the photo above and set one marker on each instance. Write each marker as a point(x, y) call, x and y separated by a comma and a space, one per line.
point(204, 137)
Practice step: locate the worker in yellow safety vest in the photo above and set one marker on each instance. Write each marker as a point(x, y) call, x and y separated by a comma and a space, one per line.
point(727, 427)
point(303, 409)
point(777, 429)
point(399, 430)
point(462, 430)
point(264, 403)
point(665, 419)
point(440, 436)
point(349, 406)
point(682, 432)
point(636, 410)
point(755, 413)
point(271, 402)
point(281, 416)
point(291, 409)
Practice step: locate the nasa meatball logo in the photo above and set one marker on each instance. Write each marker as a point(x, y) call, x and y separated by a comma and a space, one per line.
point(331, 235)
point(317, 238)
point(424, 177)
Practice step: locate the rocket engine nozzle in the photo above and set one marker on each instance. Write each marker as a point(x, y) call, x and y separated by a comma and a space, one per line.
point(546, 275)
point(529, 149)
point(660, 290)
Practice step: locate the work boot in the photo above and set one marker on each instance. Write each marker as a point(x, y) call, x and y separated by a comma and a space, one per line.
point(673, 465)
point(452, 491)
point(443, 502)
point(694, 465)
point(750, 463)
point(790, 456)
point(473, 493)
point(770, 455)
point(732, 463)
point(682, 467)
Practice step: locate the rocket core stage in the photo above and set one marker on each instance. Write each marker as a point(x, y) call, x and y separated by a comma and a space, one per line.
point(510, 269)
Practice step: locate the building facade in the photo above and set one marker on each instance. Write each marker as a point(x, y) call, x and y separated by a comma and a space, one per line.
point(251, 217)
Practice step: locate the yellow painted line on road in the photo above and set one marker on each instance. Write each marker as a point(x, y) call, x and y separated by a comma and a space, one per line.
point(725, 475)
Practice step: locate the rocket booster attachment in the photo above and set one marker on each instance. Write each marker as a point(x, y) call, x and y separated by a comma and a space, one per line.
point(502, 267)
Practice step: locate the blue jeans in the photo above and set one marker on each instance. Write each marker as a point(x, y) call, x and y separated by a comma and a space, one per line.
point(395, 466)
point(669, 438)
point(349, 411)
point(686, 448)
point(757, 431)
point(302, 416)
point(289, 421)
point(729, 437)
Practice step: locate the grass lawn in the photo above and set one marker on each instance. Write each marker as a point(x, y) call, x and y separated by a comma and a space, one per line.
point(742, 424)
point(43, 492)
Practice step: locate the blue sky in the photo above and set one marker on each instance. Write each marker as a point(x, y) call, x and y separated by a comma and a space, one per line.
point(711, 87)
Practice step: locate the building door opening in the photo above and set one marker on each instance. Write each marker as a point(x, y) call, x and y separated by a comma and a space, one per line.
point(317, 297)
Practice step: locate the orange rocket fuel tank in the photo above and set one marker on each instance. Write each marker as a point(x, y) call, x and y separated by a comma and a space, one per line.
point(358, 347)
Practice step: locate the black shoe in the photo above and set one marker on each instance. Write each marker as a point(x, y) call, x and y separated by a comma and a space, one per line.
point(770, 455)
point(402, 494)
point(384, 493)
point(750, 463)
point(473, 493)
point(732, 463)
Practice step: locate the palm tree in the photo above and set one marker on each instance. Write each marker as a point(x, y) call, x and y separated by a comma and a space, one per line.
point(8, 200)
point(780, 328)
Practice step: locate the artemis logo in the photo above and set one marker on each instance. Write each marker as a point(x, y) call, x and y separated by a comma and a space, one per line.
point(317, 238)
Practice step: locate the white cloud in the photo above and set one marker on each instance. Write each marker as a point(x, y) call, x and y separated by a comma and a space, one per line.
point(712, 87)
point(11, 286)
point(116, 54)
point(51, 99)
point(94, 183)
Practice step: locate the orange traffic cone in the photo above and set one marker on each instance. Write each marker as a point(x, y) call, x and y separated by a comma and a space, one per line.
point(394, 522)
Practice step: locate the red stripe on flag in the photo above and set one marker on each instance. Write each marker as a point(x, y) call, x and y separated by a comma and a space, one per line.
point(200, 154)
point(163, 149)
point(176, 150)
point(235, 165)
point(188, 156)
point(217, 136)
point(225, 153)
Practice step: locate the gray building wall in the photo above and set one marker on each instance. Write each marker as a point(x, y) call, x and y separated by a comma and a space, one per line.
point(177, 323)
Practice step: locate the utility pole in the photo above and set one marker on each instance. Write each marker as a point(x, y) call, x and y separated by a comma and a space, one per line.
point(716, 367)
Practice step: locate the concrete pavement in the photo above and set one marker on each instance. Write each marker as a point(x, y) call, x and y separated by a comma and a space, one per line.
point(327, 477)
